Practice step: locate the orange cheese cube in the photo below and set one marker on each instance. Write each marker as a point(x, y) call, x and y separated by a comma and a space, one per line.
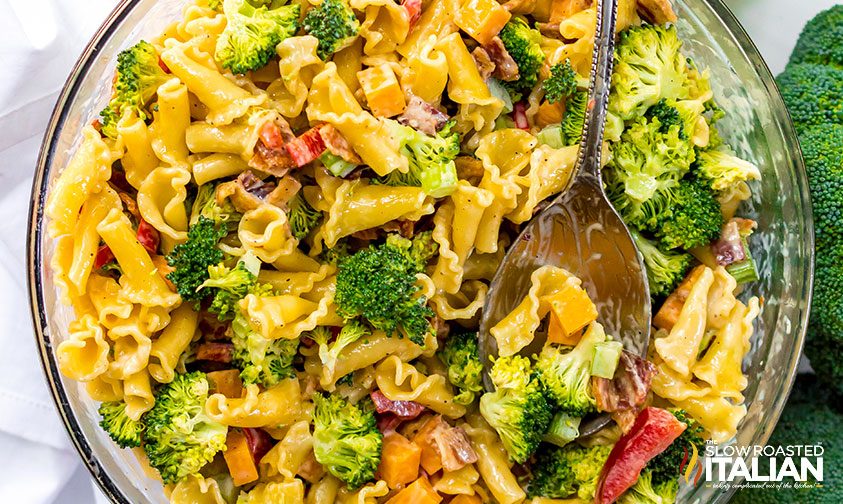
point(418, 492)
point(382, 91)
point(466, 499)
point(431, 461)
point(400, 459)
point(573, 310)
point(238, 458)
point(482, 19)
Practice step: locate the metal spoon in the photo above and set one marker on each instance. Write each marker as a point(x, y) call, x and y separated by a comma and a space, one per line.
point(581, 232)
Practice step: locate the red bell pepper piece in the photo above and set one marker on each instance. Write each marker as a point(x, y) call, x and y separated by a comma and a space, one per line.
point(259, 441)
point(148, 236)
point(653, 431)
point(413, 8)
point(270, 135)
point(104, 256)
point(307, 147)
point(519, 115)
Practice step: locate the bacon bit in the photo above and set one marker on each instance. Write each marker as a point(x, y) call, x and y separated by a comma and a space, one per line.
point(273, 161)
point(519, 115)
point(215, 352)
point(483, 62)
point(469, 167)
point(440, 328)
point(422, 116)
point(163, 65)
point(405, 228)
point(405, 410)
point(130, 205)
point(520, 6)
point(627, 390)
point(164, 269)
point(259, 442)
point(388, 422)
point(118, 180)
point(729, 248)
point(307, 147)
point(211, 328)
point(413, 8)
point(148, 236)
point(270, 135)
point(453, 446)
point(656, 11)
point(311, 470)
point(366, 234)
point(97, 125)
point(104, 256)
point(550, 30)
point(337, 144)
point(668, 314)
point(506, 69)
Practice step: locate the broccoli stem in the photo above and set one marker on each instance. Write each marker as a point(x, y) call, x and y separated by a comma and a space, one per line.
point(563, 429)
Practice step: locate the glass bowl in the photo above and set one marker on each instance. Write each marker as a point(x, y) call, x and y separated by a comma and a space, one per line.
point(757, 126)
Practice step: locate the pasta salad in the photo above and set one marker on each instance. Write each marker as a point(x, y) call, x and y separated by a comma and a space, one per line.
point(279, 234)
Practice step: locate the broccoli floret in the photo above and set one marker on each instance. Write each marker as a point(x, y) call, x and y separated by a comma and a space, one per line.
point(303, 217)
point(562, 82)
point(647, 491)
point(565, 373)
point(725, 170)
point(261, 360)
point(517, 410)
point(645, 164)
point(119, 427)
point(465, 371)
point(694, 218)
point(251, 33)
point(192, 258)
point(379, 284)
point(180, 438)
point(346, 439)
point(337, 253)
point(206, 205)
point(524, 45)
point(665, 268)
point(574, 117)
point(138, 78)
point(665, 466)
point(822, 149)
point(648, 67)
point(334, 24)
point(812, 415)
point(329, 352)
point(561, 472)
point(420, 249)
point(431, 160)
point(215, 5)
point(668, 115)
point(813, 94)
point(229, 285)
point(821, 40)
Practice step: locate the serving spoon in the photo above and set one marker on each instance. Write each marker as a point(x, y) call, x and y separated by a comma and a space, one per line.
point(581, 232)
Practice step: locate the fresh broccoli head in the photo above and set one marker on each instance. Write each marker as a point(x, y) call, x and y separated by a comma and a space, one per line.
point(180, 438)
point(665, 268)
point(192, 258)
point(572, 469)
point(648, 67)
point(647, 491)
point(821, 40)
point(303, 217)
point(517, 410)
point(206, 205)
point(645, 164)
point(822, 149)
point(261, 360)
point(431, 160)
point(665, 466)
point(252, 32)
point(346, 440)
point(725, 170)
point(524, 45)
point(120, 428)
point(465, 371)
point(329, 352)
point(420, 249)
point(229, 285)
point(379, 284)
point(562, 82)
point(565, 373)
point(813, 94)
point(668, 115)
point(138, 78)
point(574, 117)
point(334, 24)
point(694, 218)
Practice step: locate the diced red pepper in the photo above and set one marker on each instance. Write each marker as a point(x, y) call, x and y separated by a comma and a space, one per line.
point(307, 147)
point(104, 256)
point(270, 135)
point(148, 236)
point(163, 65)
point(413, 8)
point(259, 441)
point(653, 431)
point(519, 115)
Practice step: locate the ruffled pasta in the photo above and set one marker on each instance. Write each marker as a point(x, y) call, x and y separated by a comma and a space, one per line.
point(197, 490)
point(170, 122)
point(161, 199)
point(400, 381)
point(385, 25)
point(84, 355)
point(285, 458)
point(492, 461)
point(287, 316)
point(298, 64)
point(172, 342)
point(426, 72)
point(277, 492)
point(140, 158)
point(86, 240)
point(368, 494)
point(276, 406)
point(137, 393)
point(465, 304)
point(459, 482)
point(549, 173)
point(266, 232)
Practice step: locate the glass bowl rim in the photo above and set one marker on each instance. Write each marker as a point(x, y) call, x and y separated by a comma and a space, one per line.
point(34, 253)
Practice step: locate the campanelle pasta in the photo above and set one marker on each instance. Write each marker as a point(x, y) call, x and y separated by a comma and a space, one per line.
point(278, 244)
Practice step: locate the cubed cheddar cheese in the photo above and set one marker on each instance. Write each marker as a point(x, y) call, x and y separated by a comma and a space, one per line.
point(382, 91)
point(573, 310)
point(482, 19)
point(417, 492)
point(238, 458)
point(431, 461)
point(466, 499)
point(400, 459)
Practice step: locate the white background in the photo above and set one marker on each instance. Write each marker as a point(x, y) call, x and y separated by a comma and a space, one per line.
point(39, 42)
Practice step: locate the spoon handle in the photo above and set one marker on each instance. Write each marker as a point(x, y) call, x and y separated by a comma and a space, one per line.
point(591, 143)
